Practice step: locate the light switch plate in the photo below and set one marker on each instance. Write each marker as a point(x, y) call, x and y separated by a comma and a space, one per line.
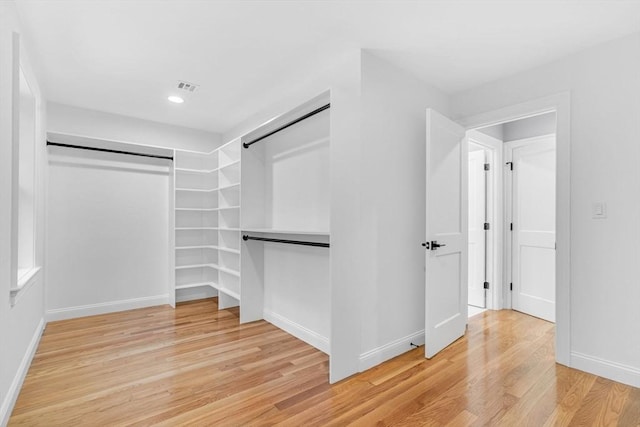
point(598, 210)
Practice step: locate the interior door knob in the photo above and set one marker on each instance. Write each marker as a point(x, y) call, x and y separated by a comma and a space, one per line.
point(435, 245)
point(426, 245)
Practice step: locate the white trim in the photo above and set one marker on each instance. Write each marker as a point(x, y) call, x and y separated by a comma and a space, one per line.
point(532, 139)
point(14, 389)
point(560, 103)
point(298, 331)
point(105, 307)
point(616, 371)
point(24, 283)
point(374, 357)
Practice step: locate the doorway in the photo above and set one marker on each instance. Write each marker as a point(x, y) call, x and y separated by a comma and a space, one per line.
point(446, 225)
point(519, 265)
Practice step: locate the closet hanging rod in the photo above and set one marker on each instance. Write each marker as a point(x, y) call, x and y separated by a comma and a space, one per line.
point(286, 125)
point(106, 150)
point(291, 242)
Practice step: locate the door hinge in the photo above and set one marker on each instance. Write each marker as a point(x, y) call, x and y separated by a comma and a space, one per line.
point(510, 164)
point(487, 226)
point(510, 286)
point(487, 166)
point(486, 285)
point(511, 227)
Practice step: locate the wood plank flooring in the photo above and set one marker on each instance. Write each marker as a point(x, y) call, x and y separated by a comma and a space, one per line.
point(197, 366)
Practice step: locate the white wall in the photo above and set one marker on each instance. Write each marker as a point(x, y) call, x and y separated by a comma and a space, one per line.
point(22, 323)
point(107, 232)
point(392, 218)
point(604, 83)
point(543, 124)
point(100, 125)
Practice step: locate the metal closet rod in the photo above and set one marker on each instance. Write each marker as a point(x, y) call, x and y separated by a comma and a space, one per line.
point(286, 125)
point(290, 242)
point(106, 150)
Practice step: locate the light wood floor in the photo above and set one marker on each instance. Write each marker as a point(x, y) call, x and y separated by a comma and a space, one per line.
point(198, 366)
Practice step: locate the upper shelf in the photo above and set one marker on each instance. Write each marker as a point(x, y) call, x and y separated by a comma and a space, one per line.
point(197, 190)
point(195, 171)
point(280, 231)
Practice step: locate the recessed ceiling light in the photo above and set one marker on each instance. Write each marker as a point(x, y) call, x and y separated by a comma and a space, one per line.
point(175, 99)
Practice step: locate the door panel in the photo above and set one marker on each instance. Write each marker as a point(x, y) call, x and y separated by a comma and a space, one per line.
point(477, 234)
point(446, 224)
point(533, 258)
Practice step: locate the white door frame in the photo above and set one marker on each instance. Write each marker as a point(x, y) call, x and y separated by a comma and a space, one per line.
point(560, 103)
point(494, 252)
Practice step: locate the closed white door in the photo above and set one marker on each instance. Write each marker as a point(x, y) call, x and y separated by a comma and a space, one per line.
point(534, 226)
point(477, 219)
point(446, 233)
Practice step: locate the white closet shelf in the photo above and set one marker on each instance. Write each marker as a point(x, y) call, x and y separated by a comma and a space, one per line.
point(197, 247)
point(213, 285)
point(214, 247)
point(196, 285)
point(229, 164)
point(195, 228)
point(197, 190)
point(281, 231)
point(195, 171)
point(228, 207)
point(226, 187)
point(228, 229)
point(185, 267)
point(232, 251)
point(229, 271)
point(229, 292)
point(198, 209)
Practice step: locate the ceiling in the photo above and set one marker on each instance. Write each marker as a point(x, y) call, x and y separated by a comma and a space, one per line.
point(125, 57)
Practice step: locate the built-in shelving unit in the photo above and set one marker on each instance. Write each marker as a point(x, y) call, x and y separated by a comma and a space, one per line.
point(207, 218)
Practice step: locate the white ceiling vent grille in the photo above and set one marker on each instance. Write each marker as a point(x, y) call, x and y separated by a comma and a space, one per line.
point(186, 86)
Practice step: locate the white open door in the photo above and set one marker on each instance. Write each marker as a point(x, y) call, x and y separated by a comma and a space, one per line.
point(477, 218)
point(446, 233)
point(534, 223)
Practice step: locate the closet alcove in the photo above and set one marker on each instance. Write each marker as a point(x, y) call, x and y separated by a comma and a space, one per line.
point(285, 201)
point(252, 223)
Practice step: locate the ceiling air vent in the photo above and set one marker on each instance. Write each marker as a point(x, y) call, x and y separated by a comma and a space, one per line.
point(186, 86)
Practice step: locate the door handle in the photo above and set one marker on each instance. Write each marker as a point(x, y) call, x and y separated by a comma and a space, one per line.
point(426, 245)
point(435, 245)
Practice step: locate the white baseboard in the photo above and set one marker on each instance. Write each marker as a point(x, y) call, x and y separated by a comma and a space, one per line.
point(298, 331)
point(105, 307)
point(390, 350)
point(14, 390)
point(604, 368)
